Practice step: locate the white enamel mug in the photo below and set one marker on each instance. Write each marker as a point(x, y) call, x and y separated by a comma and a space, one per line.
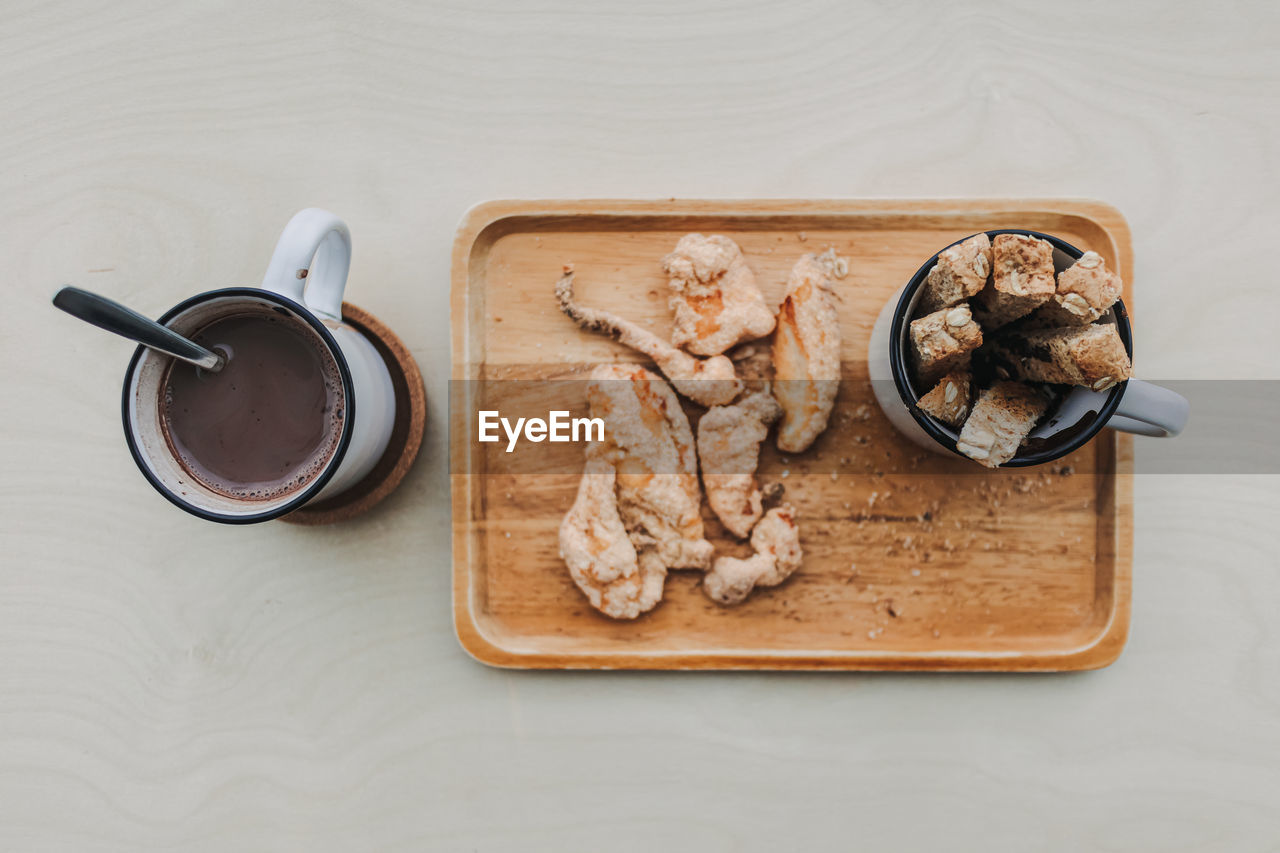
point(305, 280)
point(1134, 406)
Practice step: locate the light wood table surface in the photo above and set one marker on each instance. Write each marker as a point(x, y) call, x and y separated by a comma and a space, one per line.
point(172, 684)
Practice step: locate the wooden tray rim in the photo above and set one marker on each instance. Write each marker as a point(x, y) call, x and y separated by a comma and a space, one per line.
point(1099, 652)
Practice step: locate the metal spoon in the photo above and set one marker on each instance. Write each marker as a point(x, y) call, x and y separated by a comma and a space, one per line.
point(114, 317)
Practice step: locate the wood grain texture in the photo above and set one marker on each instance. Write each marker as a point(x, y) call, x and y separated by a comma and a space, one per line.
point(170, 685)
point(912, 560)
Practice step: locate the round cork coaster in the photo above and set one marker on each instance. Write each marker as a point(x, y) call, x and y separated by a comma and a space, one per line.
point(406, 433)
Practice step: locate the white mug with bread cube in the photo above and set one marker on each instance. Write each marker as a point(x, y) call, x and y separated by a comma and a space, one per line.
point(1055, 367)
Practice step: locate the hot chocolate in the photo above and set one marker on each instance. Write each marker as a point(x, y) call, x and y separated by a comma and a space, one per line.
point(269, 421)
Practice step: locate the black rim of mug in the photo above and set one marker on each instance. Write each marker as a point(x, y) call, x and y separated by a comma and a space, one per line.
point(901, 379)
point(349, 404)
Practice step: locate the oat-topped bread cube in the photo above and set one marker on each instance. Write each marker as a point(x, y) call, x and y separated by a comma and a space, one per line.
point(1090, 355)
point(960, 273)
point(949, 400)
point(1002, 418)
point(1085, 291)
point(943, 341)
point(1021, 280)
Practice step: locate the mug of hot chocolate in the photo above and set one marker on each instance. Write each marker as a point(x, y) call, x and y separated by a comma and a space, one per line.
point(1013, 348)
point(301, 409)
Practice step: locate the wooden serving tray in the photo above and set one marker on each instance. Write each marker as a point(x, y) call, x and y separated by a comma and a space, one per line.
point(913, 560)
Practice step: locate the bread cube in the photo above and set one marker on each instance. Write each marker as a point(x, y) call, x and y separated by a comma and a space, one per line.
point(1021, 280)
point(1001, 420)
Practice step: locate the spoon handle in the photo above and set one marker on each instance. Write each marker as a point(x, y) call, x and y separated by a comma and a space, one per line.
point(114, 317)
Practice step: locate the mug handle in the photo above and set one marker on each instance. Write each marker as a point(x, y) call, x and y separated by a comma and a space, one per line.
point(1147, 409)
point(311, 261)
